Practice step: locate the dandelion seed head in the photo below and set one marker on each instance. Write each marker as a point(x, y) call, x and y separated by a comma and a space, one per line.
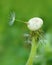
point(35, 23)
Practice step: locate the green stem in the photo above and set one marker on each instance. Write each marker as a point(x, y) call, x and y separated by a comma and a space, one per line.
point(32, 53)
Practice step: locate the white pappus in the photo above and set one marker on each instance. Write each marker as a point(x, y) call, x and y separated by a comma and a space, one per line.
point(35, 23)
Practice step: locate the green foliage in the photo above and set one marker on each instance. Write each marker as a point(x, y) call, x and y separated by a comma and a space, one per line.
point(13, 50)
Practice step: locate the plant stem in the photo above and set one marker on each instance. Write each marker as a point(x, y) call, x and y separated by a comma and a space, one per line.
point(32, 53)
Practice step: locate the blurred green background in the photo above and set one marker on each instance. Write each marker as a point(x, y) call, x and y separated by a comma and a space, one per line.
point(13, 50)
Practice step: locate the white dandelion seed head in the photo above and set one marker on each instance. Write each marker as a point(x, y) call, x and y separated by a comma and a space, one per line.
point(35, 23)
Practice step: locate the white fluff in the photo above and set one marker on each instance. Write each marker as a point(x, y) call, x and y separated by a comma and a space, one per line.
point(35, 23)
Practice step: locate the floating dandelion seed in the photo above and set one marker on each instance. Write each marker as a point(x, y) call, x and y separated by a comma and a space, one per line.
point(12, 18)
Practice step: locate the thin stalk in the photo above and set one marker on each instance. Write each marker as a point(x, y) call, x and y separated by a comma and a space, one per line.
point(32, 53)
point(21, 21)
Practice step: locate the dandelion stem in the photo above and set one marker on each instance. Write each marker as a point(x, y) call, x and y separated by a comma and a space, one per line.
point(32, 53)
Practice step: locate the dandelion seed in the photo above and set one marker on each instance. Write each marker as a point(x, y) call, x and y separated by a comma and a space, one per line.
point(27, 38)
point(12, 19)
point(26, 35)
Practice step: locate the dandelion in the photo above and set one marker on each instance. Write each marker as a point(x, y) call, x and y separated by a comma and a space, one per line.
point(34, 25)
